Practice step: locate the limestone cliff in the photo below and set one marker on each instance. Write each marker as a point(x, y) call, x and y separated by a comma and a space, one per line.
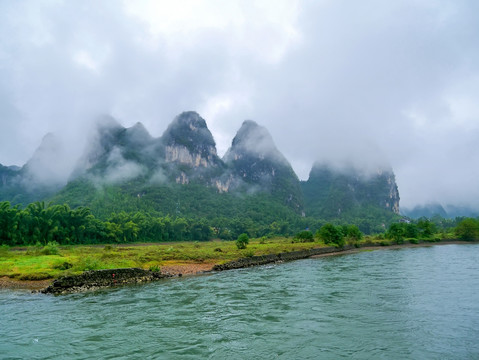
point(189, 150)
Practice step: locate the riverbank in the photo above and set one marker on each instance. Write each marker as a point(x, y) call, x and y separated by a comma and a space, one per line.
point(189, 268)
point(170, 270)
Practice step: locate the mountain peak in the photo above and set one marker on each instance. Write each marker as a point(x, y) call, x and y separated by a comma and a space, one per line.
point(254, 159)
point(254, 140)
point(189, 131)
point(49, 163)
point(107, 123)
point(138, 134)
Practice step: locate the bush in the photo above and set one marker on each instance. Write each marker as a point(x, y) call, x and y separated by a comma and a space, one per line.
point(242, 241)
point(155, 268)
point(89, 263)
point(249, 253)
point(50, 249)
point(63, 266)
point(414, 241)
point(304, 236)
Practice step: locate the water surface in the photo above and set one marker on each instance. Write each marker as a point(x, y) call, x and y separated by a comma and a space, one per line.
point(412, 303)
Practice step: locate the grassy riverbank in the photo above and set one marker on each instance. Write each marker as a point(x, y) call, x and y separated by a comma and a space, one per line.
point(47, 263)
point(39, 263)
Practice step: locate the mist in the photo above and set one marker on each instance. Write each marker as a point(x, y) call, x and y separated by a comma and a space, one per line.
point(373, 83)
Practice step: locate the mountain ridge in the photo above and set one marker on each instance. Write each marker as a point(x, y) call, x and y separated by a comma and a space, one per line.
point(128, 163)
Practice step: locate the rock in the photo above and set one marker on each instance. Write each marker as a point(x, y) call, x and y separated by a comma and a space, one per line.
point(96, 279)
point(272, 258)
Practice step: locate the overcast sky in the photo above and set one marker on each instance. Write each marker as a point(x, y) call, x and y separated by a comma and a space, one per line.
point(373, 81)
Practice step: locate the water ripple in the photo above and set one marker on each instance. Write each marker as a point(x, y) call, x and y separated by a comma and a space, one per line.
point(402, 304)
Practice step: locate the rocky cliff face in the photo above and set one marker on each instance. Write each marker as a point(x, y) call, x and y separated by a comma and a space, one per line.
point(331, 192)
point(254, 162)
point(188, 150)
point(188, 141)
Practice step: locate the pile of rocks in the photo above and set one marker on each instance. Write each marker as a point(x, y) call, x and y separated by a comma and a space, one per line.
point(96, 279)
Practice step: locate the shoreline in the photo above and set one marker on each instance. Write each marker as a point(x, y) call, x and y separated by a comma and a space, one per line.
point(194, 269)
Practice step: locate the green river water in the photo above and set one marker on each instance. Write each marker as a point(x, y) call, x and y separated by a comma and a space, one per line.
point(411, 303)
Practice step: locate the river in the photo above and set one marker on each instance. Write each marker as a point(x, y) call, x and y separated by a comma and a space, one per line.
point(410, 303)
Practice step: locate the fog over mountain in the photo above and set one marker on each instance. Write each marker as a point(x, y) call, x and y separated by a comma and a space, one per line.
point(372, 83)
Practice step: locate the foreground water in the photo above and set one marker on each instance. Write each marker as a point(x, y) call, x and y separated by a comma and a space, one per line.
point(416, 303)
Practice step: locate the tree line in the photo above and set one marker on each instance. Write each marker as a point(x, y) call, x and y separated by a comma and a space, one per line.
point(41, 223)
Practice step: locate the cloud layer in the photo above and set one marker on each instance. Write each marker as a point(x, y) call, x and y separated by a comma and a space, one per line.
point(373, 82)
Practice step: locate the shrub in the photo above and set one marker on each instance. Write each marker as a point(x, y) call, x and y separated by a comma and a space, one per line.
point(304, 236)
point(249, 253)
point(35, 249)
point(50, 249)
point(242, 241)
point(63, 266)
point(89, 263)
point(414, 241)
point(155, 268)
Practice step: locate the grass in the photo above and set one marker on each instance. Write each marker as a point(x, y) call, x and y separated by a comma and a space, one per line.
point(34, 264)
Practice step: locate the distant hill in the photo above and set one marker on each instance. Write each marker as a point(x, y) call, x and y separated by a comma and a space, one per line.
point(435, 209)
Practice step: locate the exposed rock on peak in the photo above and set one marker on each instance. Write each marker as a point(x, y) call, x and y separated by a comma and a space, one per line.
point(188, 141)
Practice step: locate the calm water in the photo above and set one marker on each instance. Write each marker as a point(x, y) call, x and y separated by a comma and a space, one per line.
point(420, 303)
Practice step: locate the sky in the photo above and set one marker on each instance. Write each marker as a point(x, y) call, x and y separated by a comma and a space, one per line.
point(371, 82)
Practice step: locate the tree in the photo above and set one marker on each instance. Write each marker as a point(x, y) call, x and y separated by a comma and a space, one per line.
point(332, 234)
point(354, 233)
point(468, 229)
point(242, 241)
point(396, 232)
point(426, 228)
point(304, 236)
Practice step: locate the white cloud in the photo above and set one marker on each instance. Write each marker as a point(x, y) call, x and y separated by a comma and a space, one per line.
point(369, 80)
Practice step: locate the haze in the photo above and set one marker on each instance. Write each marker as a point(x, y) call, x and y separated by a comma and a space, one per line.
point(373, 82)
